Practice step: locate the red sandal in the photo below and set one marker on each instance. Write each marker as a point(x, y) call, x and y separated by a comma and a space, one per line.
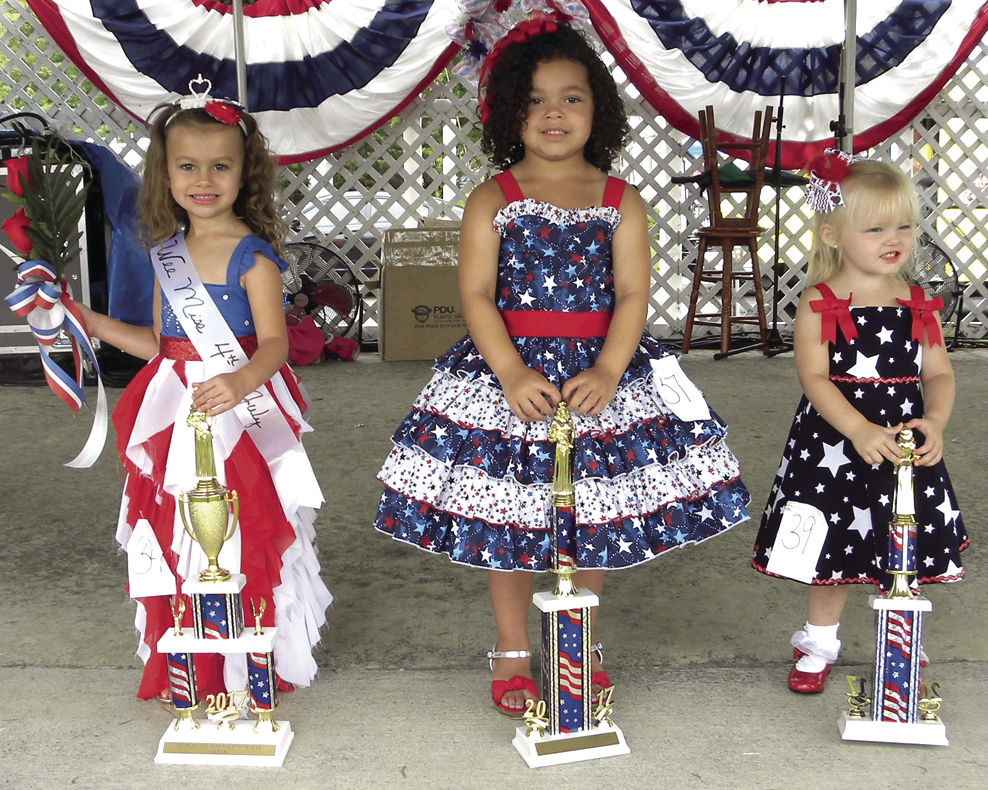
point(515, 683)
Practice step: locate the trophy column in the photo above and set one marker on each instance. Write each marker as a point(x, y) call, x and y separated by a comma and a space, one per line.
point(209, 513)
point(901, 708)
point(564, 726)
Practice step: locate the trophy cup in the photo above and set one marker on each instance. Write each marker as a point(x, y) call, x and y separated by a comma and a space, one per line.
point(901, 709)
point(209, 513)
point(564, 726)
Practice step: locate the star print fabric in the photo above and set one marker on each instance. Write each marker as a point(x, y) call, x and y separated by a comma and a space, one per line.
point(879, 374)
point(467, 478)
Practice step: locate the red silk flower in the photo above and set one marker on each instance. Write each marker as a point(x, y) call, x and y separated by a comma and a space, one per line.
point(223, 112)
point(16, 170)
point(15, 227)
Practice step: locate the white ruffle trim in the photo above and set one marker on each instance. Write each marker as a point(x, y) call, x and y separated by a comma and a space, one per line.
point(554, 214)
point(471, 493)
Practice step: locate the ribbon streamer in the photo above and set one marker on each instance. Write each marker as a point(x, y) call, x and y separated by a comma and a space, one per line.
point(835, 311)
point(924, 320)
point(40, 299)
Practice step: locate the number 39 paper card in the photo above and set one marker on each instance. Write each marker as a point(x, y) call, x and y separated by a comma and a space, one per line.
point(797, 547)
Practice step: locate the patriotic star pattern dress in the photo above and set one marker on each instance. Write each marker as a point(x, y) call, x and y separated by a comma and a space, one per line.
point(879, 373)
point(273, 545)
point(468, 479)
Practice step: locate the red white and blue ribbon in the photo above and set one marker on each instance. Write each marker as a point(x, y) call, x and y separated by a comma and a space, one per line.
point(736, 55)
point(40, 300)
point(320, 74)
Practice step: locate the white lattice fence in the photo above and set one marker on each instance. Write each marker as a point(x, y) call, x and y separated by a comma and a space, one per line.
point(424, 163)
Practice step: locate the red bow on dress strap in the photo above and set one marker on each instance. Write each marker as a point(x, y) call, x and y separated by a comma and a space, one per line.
point(923, 319)
point(835, 311)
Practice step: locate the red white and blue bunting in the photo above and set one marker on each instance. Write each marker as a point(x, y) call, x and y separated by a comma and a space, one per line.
point(323, 73)
point(320, 74)
point(734, 55)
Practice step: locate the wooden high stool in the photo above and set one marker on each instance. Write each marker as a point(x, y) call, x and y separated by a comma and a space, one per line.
point(738, 229)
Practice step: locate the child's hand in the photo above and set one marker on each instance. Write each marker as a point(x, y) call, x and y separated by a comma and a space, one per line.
point(589, 391)
point(529, 394)
point(931, 450)
point(219, 394)
point(875, 443)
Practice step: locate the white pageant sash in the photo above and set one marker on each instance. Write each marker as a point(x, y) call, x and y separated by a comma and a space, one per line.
point(216, 344)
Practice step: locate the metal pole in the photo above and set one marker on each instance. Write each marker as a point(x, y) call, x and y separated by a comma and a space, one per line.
point(848, 73)
point(240, 51)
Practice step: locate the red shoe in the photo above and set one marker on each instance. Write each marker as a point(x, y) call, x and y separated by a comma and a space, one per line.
point(515, 683)
point(501, 687)
point(283, 685)
point(807, 682)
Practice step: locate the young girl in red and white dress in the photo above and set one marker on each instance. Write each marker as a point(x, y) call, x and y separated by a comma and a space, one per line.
point(871, 361)
point(554, 273)
point(208, 173)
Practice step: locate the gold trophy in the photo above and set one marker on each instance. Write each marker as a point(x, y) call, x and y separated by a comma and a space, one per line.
point(902, 527)
point(563, 500)
point(206, 510)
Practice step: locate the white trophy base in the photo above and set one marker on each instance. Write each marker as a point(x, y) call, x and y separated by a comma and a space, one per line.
point(922, 733)
point(240, 746)
point(570, 747)
point(187, 642)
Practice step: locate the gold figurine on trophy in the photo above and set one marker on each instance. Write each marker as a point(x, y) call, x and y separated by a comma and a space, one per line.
point(258, 612)
point(563, 499)
point(206, 510)
point(902, 527)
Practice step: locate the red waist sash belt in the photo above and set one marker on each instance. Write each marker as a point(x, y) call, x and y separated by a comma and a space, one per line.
point(553, 323)
point(182, 348)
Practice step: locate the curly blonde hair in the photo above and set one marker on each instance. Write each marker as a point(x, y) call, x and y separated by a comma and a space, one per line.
point(872, 191)
point(158, 212)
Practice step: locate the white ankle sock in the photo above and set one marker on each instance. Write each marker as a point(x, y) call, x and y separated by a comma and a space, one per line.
point(825, 636)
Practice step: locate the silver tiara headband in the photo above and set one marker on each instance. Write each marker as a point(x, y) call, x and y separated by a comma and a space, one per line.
point(225, 111)
point(823, 193)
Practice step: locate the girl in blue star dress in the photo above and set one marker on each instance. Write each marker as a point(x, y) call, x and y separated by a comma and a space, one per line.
point(871, 361)
point(554, 277)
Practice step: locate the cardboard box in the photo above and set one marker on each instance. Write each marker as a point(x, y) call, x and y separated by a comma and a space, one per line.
point(420, 309)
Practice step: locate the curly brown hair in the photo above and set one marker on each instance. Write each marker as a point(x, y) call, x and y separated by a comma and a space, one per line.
point(158, 212)
point(511, 83)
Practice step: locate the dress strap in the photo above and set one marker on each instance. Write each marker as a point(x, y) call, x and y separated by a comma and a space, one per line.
point(613, 192)
point(509, 186)
point(834, 311)
point(923, 309)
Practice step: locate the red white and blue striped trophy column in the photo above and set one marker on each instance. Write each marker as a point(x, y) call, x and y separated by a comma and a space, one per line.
point(901, 706)
point(565, 726)
point(210, 514)
point(182, 677)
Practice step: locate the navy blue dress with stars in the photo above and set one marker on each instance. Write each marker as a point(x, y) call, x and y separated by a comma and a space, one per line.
point(878, 371)
point(469, 479)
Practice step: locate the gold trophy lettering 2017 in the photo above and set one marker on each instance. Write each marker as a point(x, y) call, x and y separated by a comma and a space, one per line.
point(209, 511)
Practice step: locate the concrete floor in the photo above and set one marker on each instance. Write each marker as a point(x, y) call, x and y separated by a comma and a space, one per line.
point(695, 641)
